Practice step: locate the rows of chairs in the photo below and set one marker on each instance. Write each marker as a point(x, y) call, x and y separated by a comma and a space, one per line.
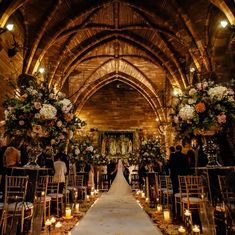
point(14, 203)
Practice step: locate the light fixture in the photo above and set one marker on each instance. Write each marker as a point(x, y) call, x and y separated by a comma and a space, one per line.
point(41, 70)
point(224, 23)
point(10, 27)
point(192, 69)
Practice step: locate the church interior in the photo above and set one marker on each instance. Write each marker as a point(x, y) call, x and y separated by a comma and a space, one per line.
point(88, 84)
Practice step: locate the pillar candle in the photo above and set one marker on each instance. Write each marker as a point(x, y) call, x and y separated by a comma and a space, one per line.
point(77, 208)
point(67, 212)
point(182, 230)
point(159, 208)
point(196, 230)
point(166, 215)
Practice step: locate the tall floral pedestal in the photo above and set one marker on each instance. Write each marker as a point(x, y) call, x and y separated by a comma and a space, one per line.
point(211, 148)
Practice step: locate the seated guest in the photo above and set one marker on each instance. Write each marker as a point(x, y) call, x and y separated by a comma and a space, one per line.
point(60, 172)
point(11, 157)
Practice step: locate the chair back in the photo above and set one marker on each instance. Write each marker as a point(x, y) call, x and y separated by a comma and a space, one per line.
point(227, 194)
point(42, 185)
point(194, 186)
point(182, 184)
point(15, 188)
point(79, 180)
point(53, 186)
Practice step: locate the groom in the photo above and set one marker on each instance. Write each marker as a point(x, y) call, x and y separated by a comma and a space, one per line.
point(111, 168)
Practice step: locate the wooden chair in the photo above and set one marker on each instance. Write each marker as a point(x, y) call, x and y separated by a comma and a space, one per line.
point(134, 181)
point(104, 182)
point(53, 193)
point(194, 191)
point(14, 201)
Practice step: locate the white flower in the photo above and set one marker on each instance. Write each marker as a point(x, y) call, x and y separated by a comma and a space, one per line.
point(52, 96)
point(218, 92)
point(187, 112)
point(66, 105)
point(202, 85)
point(29, 89)
point(77, 151)
point(34, 92)
point(192, 101)
point(48, 112)
point(192, 91)
point(89, 149)
point(37, 105)
point(7, 114)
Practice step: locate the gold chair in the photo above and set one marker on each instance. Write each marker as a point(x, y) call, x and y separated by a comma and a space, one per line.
point(42, 197)
point(79, 184)
point(134, 181)
point(165, 188)
point(194, 191)
point(14, 201)
point(182, 193)
point(53, 193)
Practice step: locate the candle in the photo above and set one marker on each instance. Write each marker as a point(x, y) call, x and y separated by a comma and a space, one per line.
point(76, 194)
point(166, 215)
point(53, 220)
point(187, 213)
point(159, 208)
point(58, 225)
point(196, 230)
point(92, 194)
point(67, 212)
point(147, 199)
point(42, 193)
point(142, 194)
point(88, 198)
point(77, 207)
point(48, 222)
point(182, 230)
point(138, 193)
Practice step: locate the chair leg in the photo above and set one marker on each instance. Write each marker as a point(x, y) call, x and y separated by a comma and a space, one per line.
point(22, 221)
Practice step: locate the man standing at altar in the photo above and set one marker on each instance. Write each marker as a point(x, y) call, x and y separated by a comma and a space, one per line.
point(111, 168)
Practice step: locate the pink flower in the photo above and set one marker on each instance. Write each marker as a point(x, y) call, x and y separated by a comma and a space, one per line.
point(221, 118)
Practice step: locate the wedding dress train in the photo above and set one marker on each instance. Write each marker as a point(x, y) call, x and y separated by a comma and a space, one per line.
point(116, 213)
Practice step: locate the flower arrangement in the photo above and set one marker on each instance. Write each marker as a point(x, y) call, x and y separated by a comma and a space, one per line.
point(40, 115)
point(205, 106)
point(151, 150)
point(133, 159)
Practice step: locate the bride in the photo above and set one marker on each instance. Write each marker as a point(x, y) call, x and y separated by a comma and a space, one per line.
point(119, 187)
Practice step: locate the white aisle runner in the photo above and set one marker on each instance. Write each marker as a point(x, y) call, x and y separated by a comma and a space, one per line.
point(116, 215)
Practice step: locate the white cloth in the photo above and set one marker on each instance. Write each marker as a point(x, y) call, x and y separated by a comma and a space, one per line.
point(116, 213)
point(60, 171)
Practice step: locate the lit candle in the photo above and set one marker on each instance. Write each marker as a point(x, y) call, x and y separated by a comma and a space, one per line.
point(196, 230)
point(67, 212)
point(159, 208)
point(92, 194)
point(58, 225)
point(142, 194)
point(76, 194)
point(88, 198)
point(147, 199)
point(187, 213)
point(53, 220)
point(138, 193)
point(77, 208)
point(42, 193)
point(48, 222)
point(166, 215)
point(182, 230)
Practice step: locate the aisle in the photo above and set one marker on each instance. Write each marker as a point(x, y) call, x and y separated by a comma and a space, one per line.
point(115, 216)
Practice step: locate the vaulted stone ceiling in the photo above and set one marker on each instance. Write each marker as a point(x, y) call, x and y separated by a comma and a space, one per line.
point(149, 45)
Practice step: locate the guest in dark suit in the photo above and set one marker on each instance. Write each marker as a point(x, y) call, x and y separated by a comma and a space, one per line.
point(111, 168)
point(178, 166)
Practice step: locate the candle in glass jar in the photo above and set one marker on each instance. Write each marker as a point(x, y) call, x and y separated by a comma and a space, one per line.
point(92, 194)
point(48, 222)
point(147, 199)
point(88, 198)
point(77, 208)
point(182, 230)
point(58, 225)
point(53, 220)
point(67, 212)
point(42, 193)
point(196, 230)
point(142, 194)
point(159, 208)
point(166, 215)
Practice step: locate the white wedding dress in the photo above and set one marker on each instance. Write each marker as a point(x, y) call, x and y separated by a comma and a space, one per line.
point(119, 187)
point(116, 213)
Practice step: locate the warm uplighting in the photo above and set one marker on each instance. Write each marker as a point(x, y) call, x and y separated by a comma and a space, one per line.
point(10, 27)
point(224, 23)
point(41, 70)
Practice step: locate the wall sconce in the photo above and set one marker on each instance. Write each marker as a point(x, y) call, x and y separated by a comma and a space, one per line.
point(224, 24)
